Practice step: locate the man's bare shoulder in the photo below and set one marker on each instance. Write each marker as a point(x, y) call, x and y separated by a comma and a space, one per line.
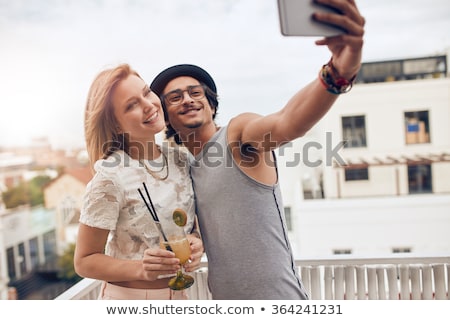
point(239, 123)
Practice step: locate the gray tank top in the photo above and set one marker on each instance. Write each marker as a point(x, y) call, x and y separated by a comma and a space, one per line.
point(243, 226)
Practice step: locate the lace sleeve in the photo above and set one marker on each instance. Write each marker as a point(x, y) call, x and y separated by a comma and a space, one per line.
point(101, 203)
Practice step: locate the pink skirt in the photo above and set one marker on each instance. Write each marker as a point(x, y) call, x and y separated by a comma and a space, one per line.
point(112, 292)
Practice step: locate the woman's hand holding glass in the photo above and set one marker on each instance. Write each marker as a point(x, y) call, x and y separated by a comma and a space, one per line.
point(173, 238)
point(159, 263)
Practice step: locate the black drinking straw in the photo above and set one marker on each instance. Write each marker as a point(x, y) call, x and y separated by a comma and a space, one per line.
point(155, 216)
point(152, 211)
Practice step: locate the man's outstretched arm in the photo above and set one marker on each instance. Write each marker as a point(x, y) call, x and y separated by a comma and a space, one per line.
point(312, 102)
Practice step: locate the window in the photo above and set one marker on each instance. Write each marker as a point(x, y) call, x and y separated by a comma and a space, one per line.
point(354, 131)
point(11, 263)
point(356, 174)
point(417, 127)
point(401, 250)
point(287, 214)
point(49, 245)
point(419, 179)
point(21, 259)
point(34, 252)
point(406, 69)
point(342, 251)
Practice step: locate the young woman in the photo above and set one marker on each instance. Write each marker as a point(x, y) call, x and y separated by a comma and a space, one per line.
point(118, 241)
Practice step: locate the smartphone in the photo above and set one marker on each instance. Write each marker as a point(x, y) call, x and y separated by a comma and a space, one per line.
point(296, 19)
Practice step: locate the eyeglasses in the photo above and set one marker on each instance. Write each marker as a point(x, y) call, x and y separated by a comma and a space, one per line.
point(176, 97)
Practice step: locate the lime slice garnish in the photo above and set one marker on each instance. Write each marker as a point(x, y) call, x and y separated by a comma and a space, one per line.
point(179, 217)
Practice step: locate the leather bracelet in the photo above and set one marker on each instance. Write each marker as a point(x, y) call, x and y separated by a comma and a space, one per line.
point(332, 81)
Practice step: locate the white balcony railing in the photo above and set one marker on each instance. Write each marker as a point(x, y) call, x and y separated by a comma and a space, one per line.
point(400, 277)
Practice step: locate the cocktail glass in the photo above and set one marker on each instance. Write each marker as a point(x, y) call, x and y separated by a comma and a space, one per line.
point(177, 242)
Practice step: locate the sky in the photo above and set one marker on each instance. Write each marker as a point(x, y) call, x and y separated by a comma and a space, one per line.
point(50, 51)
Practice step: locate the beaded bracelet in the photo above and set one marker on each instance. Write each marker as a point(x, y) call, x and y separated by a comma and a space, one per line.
point(332, 81)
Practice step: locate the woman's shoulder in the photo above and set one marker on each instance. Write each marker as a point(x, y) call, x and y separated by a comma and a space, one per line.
point(118, 171)
point(115, 163)
point(177, 154)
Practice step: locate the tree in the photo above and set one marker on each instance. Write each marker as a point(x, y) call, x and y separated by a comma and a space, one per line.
point(65, 263)
point(31, 193)
point(36, 189)
point(16, 196)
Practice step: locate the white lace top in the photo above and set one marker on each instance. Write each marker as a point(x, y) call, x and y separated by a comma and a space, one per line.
point(112, 201)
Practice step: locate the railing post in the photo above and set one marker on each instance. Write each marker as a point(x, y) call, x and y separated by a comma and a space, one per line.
point(361, 282)
point(448, 281)
point(381, 283)
point(316, 285)
point(439, 281)
point(339, 283)
point(328, 282)
point(427, 293)
point(416, 293)
point(306, 278)
point(405, 293)
point(372, 283)
point(350, 282)
point(200, 291)
point(392, 282)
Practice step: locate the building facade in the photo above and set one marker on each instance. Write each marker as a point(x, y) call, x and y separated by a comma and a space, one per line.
point(374, 175)
point(64, 195)
point(27, 241)
point(32, 238)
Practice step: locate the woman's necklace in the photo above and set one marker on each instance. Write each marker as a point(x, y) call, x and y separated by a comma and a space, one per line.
point(155, 174)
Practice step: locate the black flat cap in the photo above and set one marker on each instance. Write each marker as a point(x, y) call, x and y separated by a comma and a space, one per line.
point(161, 80)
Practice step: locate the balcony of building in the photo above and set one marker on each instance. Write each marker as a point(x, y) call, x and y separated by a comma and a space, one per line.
point(402, 277)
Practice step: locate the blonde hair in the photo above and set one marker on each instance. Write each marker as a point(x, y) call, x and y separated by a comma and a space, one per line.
point(100, 124)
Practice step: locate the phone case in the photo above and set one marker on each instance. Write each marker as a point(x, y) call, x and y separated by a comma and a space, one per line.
point(296, 19)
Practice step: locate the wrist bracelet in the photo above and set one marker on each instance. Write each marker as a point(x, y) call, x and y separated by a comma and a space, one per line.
point(332, 81)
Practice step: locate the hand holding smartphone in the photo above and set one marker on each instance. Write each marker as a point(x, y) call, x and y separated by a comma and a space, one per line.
point(296, 19)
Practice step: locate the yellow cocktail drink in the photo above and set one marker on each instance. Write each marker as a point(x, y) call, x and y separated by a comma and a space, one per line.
point(180, 247)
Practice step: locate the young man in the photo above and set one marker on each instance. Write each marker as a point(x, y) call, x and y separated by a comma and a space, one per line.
point(234, 171)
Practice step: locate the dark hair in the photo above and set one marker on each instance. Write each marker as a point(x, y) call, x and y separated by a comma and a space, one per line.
point(213, 100)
